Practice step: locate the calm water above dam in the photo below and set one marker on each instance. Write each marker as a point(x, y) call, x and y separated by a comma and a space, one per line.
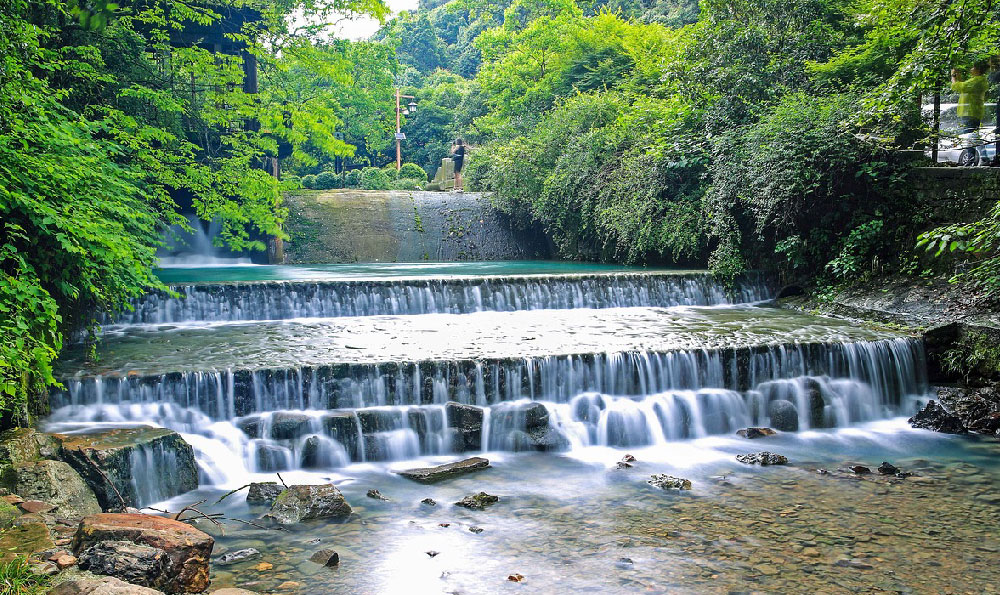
point(348, 373)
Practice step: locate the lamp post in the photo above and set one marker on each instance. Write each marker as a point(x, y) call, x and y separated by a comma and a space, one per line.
point(411, 107)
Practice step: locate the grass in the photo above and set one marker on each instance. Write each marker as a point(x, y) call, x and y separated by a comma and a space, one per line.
point(17, 577)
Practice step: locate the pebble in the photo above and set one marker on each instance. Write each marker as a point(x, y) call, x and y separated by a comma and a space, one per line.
point(476, 529)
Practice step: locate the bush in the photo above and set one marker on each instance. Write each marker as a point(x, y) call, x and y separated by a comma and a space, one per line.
point(327, 181)
point(412, 171)
point(372, 178)
point(407, 184)
point(353, 178)
point(390, 170)
point(309, 181)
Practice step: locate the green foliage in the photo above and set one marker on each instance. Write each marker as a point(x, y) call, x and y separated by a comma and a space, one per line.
point(412, 171)
point(326, 181)
point(309, 181)
point(353, 178)
point(406, 184)
point(975, 357)
point(17, 577)
point(373, 178)
point(389, 169)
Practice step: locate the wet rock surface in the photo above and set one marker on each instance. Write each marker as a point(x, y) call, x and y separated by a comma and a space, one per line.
point(105, 585)
point(669, 482)
point(935, 417)
point(185, 551)
point(978, 409)
point(109, 460)
point(753, 433)
point(243, 555)
point(301, 503)
point(326, 557)
point(478, 501)
point(55, 483)
point(260, 493)
point(130, 562)
point(467, 421)
point(762, 458)
point(448, 470)
point(784, 415)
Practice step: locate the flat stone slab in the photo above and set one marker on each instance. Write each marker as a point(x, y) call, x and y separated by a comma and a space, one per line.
point(441, 472)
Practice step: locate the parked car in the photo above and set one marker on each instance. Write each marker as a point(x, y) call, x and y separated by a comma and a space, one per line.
point(965, 148)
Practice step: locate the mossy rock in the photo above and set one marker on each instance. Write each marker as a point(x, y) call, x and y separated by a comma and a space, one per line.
point(8, 512)
point(58, 484)
point(24, 540)
point(24, 445)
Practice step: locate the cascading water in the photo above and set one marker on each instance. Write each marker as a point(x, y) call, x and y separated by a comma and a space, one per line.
point(259, 397)
point(195, 247)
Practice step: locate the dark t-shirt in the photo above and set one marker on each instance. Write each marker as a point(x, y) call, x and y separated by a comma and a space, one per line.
point(459, 157)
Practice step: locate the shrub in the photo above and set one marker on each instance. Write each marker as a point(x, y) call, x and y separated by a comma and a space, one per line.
point(309, 181)
point(327, 180)
point(407, 184)
point(372, 178)
point(412, 171)
point(353, 178)
point(390, 170)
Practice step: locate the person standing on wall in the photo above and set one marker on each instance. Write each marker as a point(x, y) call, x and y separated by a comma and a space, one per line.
point(971, 97)
point(458, 150)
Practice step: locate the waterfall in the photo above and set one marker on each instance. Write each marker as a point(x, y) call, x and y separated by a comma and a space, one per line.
point(282, 300)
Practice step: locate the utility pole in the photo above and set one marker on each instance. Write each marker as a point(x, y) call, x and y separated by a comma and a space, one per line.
point(412, 107)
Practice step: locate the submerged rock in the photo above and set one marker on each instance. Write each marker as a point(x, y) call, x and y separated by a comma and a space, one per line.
point(376, 495)
point(273, 458)
point(887, 468)
point(105, 585)
point(264, 492)
point(56, 483)
point(478, 501)
point(762, 458)
point(326, 557)
point(117, 463)
point(860, 470)
point(287, 426)
point(669, 482)
point(185, 550)
point(753, 433)
point(428, 502)
point(935, 417)
point(434, 474)
point(243, 555)
point(307, 502)
point(784, 415)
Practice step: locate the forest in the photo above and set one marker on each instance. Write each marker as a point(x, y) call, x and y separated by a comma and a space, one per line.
point(737, 135)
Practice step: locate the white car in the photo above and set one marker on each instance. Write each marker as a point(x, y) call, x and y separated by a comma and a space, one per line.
point(965, 148)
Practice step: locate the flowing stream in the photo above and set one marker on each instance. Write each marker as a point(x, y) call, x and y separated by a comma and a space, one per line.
point(553, 371)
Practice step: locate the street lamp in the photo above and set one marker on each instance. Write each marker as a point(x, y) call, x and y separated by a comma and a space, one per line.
point(410, 108)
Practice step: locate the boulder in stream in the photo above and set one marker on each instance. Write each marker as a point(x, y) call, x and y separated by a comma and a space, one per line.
point(478, 501)
point(326, 557)
point(178, 551)
point(286, 425)
point(669, 482)
point(55, 483)
point(301, 503)
point(243, 555)
point(935, 417)
point(752, 433)
point(762, 458)
point(434, 474)
point(264, 492)
point(130, 467)
point(784, 415)
point(467, 421)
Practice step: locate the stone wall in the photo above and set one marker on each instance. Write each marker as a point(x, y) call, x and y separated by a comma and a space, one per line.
point(956, 194)
point(399, 226)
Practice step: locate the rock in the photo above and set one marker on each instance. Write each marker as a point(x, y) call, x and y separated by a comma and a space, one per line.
point(288, 426)
point(515, 578)
point(243, 555)
point(233, 591)
point(432, 553)
point(265, 492)
point(376, 495)
point(263, 567)
point(186, 550)
point(105, 585)
point(977, 408)
point(625, 563)
point(478, 501)
point(307, 502)
point(475, 529)
point(752, 433)
point(26, 537)
point(273, 458)
point(7, 514)
point(326, 557)
point(669, 482)
point(109, 460)
point(887, 468)
point(64, 561)
point(935, 417)
point(434, 474)
point(784, 415)
point(428, 502)
point(628, 459)
point(623, 465)
point(762, 458)
point(343, 427)
point(56, 484)
point(467, 421)
point(24, 445)
point(860, 469)
point(854, 563)
point(36, 507)
point(251, 425)
point(132, 562)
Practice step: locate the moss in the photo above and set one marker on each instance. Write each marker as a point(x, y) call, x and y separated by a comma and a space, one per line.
point(24, 540)
point(8, 512)
point(975, 357)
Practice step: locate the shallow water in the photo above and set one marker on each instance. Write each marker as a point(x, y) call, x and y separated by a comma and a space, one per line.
point(385, 270)
point(564, 522)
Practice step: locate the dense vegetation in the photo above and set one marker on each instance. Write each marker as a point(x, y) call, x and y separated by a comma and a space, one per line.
point(735, 134)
